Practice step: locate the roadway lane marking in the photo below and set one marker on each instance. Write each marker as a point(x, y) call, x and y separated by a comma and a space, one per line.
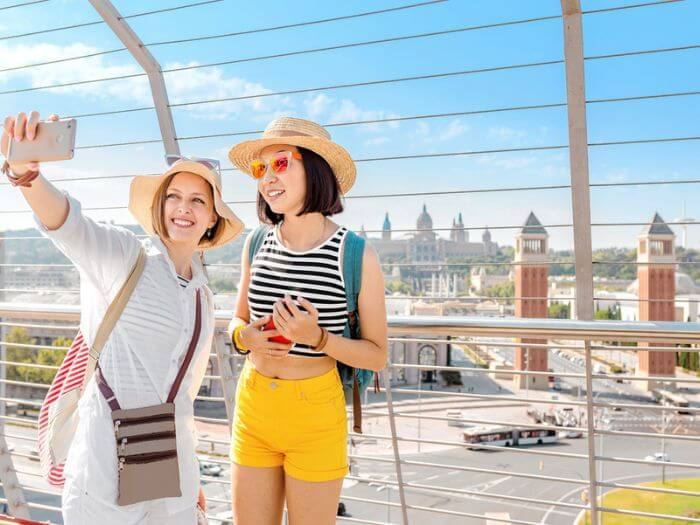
point(582, 487)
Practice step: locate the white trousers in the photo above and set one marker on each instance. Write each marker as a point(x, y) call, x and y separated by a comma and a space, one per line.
point(80, 508)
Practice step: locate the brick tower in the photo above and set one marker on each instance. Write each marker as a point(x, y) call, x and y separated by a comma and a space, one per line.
point(531, 281)
point(657, 291)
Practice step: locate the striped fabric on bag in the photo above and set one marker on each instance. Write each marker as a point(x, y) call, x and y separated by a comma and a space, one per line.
point(69, 377)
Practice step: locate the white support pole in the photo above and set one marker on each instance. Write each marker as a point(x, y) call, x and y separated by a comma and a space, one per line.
point(386, 375)
point(10, 484)
point(3, 349)
point(150, 65)
point(11, 487)
point(581, 207)
point(578, 157)
point(229, 376)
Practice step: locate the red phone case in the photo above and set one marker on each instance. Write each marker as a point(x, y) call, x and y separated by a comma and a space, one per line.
point(278, 338)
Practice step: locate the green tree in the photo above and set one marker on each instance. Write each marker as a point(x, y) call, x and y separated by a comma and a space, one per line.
point(610, 314)
point(40, 356)
point(688, 360)
point(53, 358)
point(18, 354)
point(559, 311)
point(506, 289)
point(222, 285)
point(398, 286)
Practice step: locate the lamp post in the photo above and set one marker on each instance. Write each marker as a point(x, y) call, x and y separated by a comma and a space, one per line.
point(663, 446)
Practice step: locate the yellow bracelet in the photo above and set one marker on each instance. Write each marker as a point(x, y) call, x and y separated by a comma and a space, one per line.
point(237, 343)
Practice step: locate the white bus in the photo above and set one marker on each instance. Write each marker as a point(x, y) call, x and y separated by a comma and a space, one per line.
point(508, 436)
point(536, 436)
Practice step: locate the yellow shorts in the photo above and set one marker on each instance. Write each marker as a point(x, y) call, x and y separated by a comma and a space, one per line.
point(300, 425)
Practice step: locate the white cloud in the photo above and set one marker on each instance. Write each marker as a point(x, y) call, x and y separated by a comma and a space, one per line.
point(317, 106)
point(453, 130)
point(329, 110)
point(621, 175)
point(377, 141)
point(428, 134)
point(509, 163)
point(189, 85)
point(183, 86)
point(211, 83)
point(423, 129)
point(505, 133)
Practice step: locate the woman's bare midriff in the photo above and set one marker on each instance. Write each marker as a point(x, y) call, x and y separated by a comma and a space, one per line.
point(292, 367)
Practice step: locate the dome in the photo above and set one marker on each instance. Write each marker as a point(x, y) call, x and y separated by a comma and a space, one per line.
point(425, 221)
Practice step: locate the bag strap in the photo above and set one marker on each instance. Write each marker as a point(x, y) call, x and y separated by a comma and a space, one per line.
point(190, 351)
point(256, 241)
point(113, 313)
point(353, 251)
point(111, 397)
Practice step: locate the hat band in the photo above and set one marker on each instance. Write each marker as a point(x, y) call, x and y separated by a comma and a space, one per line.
point(280, 133)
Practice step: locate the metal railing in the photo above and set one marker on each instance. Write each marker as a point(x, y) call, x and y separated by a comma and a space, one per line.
point(429, 409)
point(406, 411)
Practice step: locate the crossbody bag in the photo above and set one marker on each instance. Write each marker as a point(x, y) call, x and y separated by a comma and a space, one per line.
point(146, 440)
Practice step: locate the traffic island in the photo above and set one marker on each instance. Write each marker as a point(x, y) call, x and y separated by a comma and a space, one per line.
point(669, 504)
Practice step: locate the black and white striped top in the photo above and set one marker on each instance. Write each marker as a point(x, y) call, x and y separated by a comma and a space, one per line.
point(316, 275)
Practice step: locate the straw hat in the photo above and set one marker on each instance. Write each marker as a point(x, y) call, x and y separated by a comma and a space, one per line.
point(144, 188)
point(301, 133)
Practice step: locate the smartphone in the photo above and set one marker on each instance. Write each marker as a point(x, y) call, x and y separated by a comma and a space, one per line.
point(55, 140)
point(278, 338)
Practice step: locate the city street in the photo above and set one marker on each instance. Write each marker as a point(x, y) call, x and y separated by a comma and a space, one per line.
point(457, 488)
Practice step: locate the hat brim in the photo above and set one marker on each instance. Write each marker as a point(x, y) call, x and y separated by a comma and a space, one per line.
point(241, 155)
point(143, 190)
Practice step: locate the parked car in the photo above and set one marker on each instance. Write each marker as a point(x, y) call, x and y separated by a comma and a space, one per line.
point(210, 469)
point(571, 434)
point(658, 456)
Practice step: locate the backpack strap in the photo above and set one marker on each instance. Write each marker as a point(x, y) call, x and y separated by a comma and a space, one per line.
point(113, 313)
point(353, 252)
point(256, 241)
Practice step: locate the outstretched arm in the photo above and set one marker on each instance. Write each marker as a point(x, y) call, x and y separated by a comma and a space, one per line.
point(103, 253)
point(48, 204)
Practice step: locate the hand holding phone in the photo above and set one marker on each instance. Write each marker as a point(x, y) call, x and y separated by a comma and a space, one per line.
point(44, 142)
point(27, 141)
point(279, 338)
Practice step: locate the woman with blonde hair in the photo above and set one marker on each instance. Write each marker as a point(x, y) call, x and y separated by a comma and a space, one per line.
point(305, 281)
point(155, 357)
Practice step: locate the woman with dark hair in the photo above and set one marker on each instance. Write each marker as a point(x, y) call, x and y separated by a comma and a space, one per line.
point(293, 319)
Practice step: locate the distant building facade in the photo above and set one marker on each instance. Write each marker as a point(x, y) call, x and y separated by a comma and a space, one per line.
point(424, 245)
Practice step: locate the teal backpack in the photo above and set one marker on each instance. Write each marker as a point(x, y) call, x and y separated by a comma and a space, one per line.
point(355, 380)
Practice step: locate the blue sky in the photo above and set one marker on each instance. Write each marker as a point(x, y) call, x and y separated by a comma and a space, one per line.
point(637, 29)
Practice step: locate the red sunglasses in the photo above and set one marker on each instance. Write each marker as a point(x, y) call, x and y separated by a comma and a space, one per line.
point(278, 164)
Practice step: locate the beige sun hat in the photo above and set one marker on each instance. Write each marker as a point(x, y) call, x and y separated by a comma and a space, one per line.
point(301, 133)
point(144, 188)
